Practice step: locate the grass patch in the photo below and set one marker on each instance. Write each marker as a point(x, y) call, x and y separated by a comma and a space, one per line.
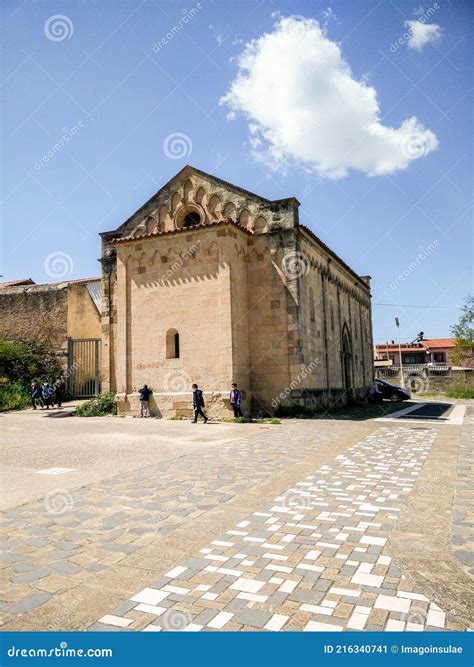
point(14, 396)
point(100, 406)
point(459, 392)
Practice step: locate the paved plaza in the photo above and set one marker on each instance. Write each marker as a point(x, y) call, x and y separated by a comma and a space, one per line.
point(156, 525)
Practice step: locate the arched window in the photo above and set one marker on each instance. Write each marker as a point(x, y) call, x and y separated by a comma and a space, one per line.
point(172, 344)
point(191, 219)
point(312, 315)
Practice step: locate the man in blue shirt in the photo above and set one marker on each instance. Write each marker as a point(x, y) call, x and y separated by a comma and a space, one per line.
point(144, 398)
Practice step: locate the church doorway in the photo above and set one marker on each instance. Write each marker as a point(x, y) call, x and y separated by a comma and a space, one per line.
point(346, 359)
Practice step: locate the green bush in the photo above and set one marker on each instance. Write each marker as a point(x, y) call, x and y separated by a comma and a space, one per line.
point(460, 392)
point(101, 405)
point(22, 361)
point(14, 396)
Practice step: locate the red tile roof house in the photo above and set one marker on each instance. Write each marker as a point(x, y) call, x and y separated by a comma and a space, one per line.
point(434, 351)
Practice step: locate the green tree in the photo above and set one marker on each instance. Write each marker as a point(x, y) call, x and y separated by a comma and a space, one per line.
point(463, 331)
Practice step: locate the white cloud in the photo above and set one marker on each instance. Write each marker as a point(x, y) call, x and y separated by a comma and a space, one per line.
point(422, 33)
point(304, 105)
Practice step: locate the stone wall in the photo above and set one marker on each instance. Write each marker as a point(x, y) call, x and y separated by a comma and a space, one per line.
point(52, 312)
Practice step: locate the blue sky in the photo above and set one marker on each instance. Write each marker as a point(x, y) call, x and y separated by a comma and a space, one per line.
point(110, 91)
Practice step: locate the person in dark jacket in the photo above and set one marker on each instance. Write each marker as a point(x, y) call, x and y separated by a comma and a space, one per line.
point(36, 395)
point(144, 398)
point(47, 395)
point(235, 399)
point(58, 392)
point(198, 404)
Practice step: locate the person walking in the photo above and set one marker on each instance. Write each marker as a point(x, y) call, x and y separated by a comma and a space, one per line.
point(235, 399)
point(198, 404)
point(58, 392)
point(47, 394)
point(144, 398)
point(36, 395)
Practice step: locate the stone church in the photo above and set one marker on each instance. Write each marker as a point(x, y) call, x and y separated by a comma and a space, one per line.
point(210, 283)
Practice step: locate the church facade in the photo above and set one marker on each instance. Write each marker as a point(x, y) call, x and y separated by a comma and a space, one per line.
point(212, 284)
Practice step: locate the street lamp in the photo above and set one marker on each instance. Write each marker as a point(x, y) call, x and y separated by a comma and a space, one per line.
point(397, 322)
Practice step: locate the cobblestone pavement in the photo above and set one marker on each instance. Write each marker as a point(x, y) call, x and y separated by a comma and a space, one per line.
point(462, 527)
point(316, 558)
point(54, 545)
point(305, 548)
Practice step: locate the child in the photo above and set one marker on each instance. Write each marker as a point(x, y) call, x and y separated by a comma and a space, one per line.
point(47, 394)
point(36, 395)
point(235, 400)
point(144, 397)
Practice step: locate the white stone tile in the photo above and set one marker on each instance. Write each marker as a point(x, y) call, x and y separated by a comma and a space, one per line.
point(312, 568)
point(436, 618)
point(367, 579)
point(288, 586)
point(276, 622)
point(150, 596)
point(392, 603)
point(276, 580)
point(317, 609)
point(370, 539)
point(118, 621)
point(150, 609)
point(152, 628)
point(288, 538)
point(203, 587)
point(176, 589)
point(252, 597)
point(275, 556)
point(394, 626)
point(176, 571)
point(412, 596)
point(315, 626)
point(357, 621)
point(312, 555)
point(220, 620)
point(193, 627)
point(220, 559)
point(243, 524)
point(366, 568)
point(279, 568)
point(247, 585)
point(218, 543)
point(384, 560)
point(329, 603)
point(360, 609)
point(209, 596)
point(350, 592)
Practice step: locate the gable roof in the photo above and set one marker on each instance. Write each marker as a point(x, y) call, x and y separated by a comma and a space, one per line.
point(216, 179)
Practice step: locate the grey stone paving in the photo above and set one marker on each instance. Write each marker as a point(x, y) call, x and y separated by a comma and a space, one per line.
point(462, 519)
point(317, 559)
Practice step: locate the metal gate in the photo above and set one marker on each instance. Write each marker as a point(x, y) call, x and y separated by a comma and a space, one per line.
point(84, 365)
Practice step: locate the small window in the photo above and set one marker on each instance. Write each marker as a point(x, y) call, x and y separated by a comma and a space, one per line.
point(192, 219)
point(172, 344)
